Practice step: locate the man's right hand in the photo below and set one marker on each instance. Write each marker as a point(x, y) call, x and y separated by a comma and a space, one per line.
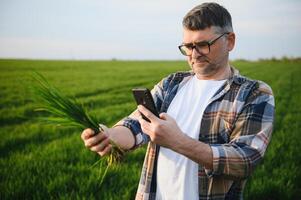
point(99, 143)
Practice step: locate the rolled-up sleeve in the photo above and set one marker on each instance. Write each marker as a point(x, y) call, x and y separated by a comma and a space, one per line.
point(249, 140)
point(134, 125)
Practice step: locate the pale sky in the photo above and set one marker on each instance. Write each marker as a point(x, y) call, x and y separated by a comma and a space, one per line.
point(139, 29)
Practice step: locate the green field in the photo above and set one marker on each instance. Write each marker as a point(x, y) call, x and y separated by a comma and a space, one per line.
point(45, 162)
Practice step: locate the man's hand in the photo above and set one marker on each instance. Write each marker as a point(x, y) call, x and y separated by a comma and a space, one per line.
point(163, 131)
point(98, 143)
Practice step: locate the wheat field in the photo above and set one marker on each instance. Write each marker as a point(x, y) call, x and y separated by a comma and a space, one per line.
point(42, 161)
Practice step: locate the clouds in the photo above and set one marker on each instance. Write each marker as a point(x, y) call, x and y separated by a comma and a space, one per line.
point(136, 29)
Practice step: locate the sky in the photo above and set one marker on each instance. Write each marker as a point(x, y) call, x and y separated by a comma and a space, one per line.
point(139, 29)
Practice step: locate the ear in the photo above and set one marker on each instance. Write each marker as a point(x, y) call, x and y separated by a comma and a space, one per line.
point(231, 41)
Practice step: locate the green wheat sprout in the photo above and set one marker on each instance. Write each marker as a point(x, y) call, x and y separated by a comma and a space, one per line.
point(67, 111)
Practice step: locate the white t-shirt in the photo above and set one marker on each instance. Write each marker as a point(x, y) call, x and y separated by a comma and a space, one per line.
point(176, 174)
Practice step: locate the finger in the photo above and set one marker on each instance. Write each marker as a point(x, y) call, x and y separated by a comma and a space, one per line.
point(135, 115)
point(95, 140)
point(100, 146)
point(104, 132)
point(103, 128)
point(148, 114)
point(106, 150)
point(87, 133)
point(140, 118)
point(145, 125)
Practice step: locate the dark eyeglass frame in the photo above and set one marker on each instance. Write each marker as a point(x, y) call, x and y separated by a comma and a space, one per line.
point(202, 43)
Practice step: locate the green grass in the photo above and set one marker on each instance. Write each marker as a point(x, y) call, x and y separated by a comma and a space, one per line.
point(46, 162)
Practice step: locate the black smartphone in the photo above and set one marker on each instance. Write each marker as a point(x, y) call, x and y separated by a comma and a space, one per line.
point(144, 97)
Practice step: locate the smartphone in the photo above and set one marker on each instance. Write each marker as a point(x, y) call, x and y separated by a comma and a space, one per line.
point(144, 97)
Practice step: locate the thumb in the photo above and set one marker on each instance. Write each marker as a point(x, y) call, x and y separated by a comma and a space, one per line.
point(165, 116)
point(104, 129)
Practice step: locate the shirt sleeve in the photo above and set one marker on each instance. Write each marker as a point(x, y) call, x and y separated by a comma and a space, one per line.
point(249, 139)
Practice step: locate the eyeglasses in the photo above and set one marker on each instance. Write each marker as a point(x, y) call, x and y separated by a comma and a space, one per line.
point(202, 47)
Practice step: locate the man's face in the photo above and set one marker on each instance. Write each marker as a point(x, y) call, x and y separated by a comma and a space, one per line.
point(208, 65)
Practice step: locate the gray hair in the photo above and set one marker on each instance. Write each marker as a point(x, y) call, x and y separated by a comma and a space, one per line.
point(208, 15)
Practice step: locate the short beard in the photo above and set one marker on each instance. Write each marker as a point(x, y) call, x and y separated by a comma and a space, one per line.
point(211, 68)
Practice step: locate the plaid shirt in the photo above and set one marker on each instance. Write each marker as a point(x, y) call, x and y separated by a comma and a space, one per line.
point(237, 124)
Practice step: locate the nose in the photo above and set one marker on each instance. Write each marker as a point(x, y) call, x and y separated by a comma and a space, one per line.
point(195, 53)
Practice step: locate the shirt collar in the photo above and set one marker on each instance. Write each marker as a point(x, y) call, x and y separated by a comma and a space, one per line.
point(236, 77)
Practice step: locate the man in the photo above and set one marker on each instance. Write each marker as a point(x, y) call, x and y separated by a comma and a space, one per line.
point(214, 125)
